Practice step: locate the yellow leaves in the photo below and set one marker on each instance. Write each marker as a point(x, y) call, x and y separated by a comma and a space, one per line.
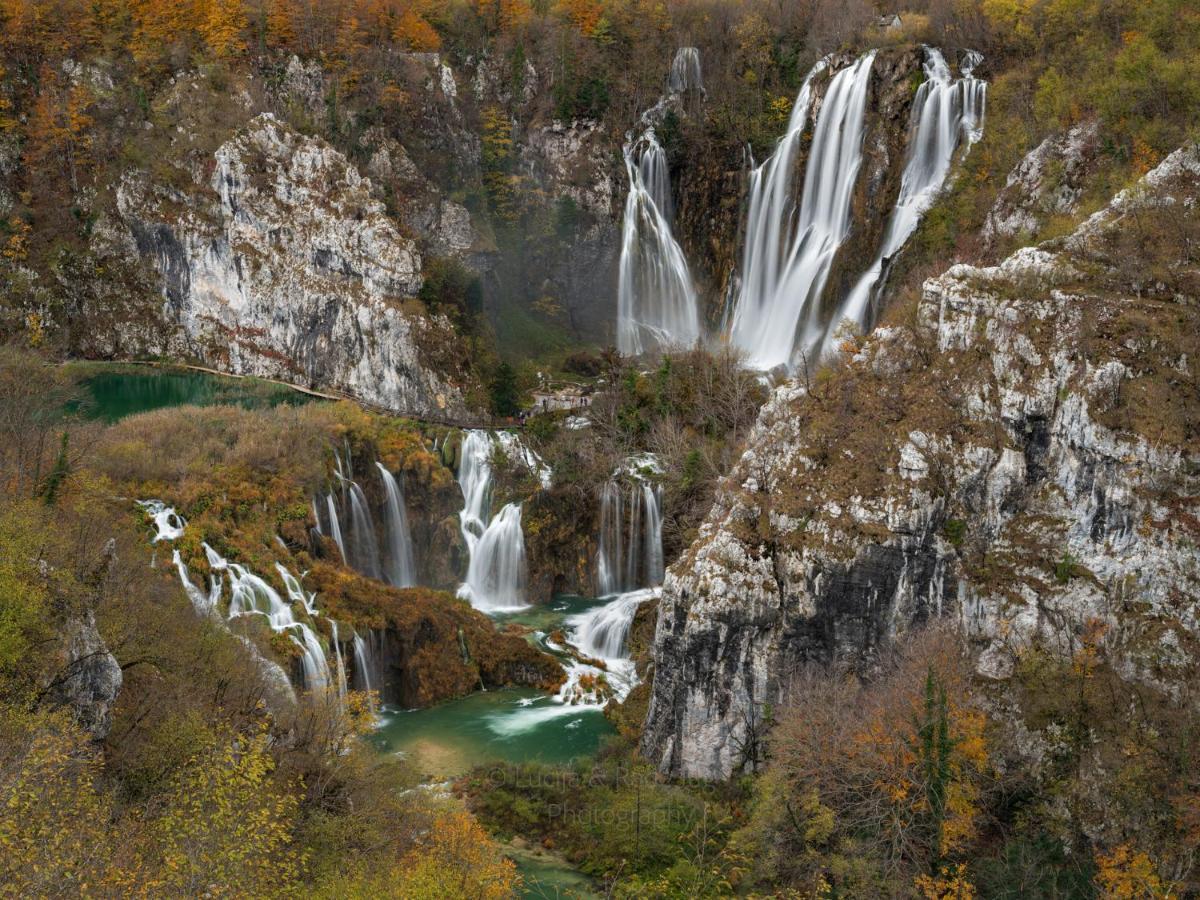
point(226, 829)
point(458, 860)
point(951, 883)
point(1129, 874)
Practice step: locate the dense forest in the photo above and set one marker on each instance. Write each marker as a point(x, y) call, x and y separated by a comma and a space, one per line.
point(148, 748)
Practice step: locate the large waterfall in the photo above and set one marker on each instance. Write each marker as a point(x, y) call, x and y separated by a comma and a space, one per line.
point(656, 301)
point(496, 575)
point(946, 114)
point(787, 257)
point(629, 555)
point(779, 316)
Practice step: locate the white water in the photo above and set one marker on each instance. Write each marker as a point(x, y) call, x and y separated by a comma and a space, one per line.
point(947, 114)
point(335, 529)
point(341, 665)
point(496, 573)
point(602, 632)
point(629, 554)
point(685, 72)
point(656, 302)
point(400, 568)
point(251, 595)
point(789, 251)
point(168, 523)
point(364, 545)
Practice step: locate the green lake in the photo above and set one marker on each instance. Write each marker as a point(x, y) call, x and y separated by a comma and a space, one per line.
point(110, 395)
point(509, 725)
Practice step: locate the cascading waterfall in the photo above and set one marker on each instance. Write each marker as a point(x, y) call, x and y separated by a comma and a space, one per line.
point(657, 306)
point(656, 302)
point(947, 114)
point(629, 555)
point(400, 568)
point(602, 632)
point(789, 251)
point(496, 574)
point(251, 595)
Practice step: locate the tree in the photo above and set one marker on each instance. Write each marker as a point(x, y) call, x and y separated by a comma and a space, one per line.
point(226, 829)
point(502, 391)
point(222, 24)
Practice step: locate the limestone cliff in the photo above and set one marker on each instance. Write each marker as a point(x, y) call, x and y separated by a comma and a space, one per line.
point(1017, 452)
point(281, 264)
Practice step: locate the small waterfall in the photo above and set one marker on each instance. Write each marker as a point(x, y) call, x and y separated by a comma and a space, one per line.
point(602, 632)
point(335, 530)
point(610, 567)
point(251, 595)
point(168, 523)
point(496, 573)
point(363, 542)
point(789, 251)
point(400, 569)
point(947, 114)
point(656, 302)
point(685, 72)
point(652, 500)
point(341, 665)
point(629, 554)
point(362, 665)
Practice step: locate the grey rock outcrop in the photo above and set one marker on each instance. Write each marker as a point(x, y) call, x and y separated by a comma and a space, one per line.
point(1021, 459)
point(1048, 181)
point(281, 264)
point(90, 678)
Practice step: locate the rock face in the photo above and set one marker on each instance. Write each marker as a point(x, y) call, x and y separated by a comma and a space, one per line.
point(1048, 181)
point(282, 265)
point(1021, 458)
point(90, 677)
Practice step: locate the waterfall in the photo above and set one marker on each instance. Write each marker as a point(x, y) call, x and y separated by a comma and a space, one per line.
point(656, 303)
point(610, 555)
point(363, 542)
point(475, 481)
point(400, 569)
point(652, 499)
point(341, 665)
point(335, 530)
point(251, 595)
point(685, 72)
point(496, 548)
point(946, 114)
point(362, 667)
point(168, 523)
point(787, 257)
point(601, 632)
point(629, 553)
point(496, 573)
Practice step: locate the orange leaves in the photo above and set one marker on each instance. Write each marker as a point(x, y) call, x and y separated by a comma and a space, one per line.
point(585, 14)
point(222, 25)
point(414, 32)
